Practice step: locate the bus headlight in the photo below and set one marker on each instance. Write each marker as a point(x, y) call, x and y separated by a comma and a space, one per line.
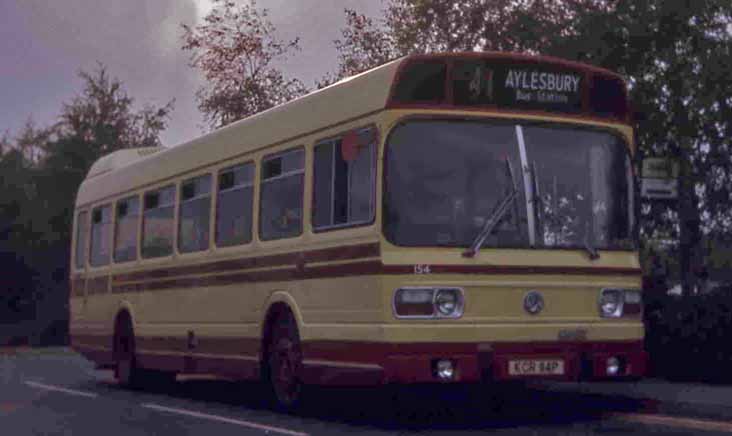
point(429, 303)
point(414, 302)
point(611, 303)
point(449, 303)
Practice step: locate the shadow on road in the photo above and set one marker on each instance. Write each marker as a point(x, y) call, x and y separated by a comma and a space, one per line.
point(416, 407)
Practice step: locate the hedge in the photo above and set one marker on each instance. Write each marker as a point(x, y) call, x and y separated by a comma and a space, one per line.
point(690, 337)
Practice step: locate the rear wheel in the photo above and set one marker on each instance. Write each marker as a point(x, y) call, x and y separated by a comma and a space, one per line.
point(284, 363)
point(127, 373)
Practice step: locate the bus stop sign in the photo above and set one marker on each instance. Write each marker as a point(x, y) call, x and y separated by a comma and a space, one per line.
point(660, 179)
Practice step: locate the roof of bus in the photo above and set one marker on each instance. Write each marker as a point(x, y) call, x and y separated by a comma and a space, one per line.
point(345, 100)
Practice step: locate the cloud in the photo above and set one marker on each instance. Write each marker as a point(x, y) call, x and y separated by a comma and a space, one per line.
point(203, 7)
point(43, 44)
point(137, 40)
point(317, 27)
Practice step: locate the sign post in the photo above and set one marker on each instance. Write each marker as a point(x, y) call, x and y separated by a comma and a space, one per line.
point(659, 179)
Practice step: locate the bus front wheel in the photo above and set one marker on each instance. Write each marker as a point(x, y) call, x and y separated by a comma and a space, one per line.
point(285, 362)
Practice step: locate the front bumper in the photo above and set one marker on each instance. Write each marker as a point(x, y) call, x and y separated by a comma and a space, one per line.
point(582, 361)
point(416, 363)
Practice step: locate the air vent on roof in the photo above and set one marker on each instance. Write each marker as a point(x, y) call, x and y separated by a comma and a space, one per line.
point(119, 159)
point(147, 151)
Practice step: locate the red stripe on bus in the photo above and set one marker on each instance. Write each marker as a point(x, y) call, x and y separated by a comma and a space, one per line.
point(513, 269)
point(365, 268)
point(295, 268)
point(324, 255)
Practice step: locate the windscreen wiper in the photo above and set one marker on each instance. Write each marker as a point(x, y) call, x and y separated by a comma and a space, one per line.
point(495, 217)
point(538, 203)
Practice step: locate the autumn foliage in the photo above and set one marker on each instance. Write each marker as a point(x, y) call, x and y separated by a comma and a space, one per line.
point(423, 26)
point(236, 48)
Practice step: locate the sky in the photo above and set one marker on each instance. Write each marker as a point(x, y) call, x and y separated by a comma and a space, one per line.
point(45, 43)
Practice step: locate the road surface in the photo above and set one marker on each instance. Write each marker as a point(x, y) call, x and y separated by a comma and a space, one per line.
point(57, 392)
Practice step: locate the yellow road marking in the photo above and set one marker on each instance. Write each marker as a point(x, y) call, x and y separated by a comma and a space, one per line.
point(672, 421)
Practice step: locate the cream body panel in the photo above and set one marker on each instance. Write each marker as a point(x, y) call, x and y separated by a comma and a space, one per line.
point(345, 308)
point(302, 116)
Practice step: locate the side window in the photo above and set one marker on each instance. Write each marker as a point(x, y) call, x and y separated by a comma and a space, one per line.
point(125, 231)
point(82, 225)
point(344, 179)
point(280, 213)
point(234, 205)
point(157, 222)
point(195, 212)
point(100, 243)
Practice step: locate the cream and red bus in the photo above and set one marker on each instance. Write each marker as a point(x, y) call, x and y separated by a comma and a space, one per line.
point(446, 218)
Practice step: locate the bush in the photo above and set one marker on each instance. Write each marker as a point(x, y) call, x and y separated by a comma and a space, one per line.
point(690, 337)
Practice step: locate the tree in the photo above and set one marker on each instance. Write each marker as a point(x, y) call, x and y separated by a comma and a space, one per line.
point(103, 116)
point(32, 139)
point(5, 143)
point(364, 45)
point(422, 26)
point(676, 55)
point(40, 172)
point(17, 194)
point(18, 167)
point(99, 121)
point(236, 50)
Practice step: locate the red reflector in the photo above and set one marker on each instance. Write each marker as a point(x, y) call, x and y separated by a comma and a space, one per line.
point(349, 146)
point(632, 309)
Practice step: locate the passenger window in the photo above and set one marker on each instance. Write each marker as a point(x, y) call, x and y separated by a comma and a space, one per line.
point(344, 178)
point(195, 212)
point(281, 198)
point(100, 250)
point(234, 205)
point(125, 233)
point(157, 222)
point(81, 229)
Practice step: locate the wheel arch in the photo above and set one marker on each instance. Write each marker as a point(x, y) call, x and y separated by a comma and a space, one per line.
point(124, 312)
point(125, 306)
point(279, 302)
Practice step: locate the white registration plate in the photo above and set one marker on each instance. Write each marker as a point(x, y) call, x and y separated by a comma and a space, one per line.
point(536, 367)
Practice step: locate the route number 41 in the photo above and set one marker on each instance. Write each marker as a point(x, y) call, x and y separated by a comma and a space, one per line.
point(422, 269)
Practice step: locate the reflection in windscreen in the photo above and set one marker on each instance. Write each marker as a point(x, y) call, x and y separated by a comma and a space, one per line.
point(582, 182)
point(444, 178)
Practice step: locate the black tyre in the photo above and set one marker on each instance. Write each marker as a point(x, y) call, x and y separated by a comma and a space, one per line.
point(126, 372)
point(284, 363)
